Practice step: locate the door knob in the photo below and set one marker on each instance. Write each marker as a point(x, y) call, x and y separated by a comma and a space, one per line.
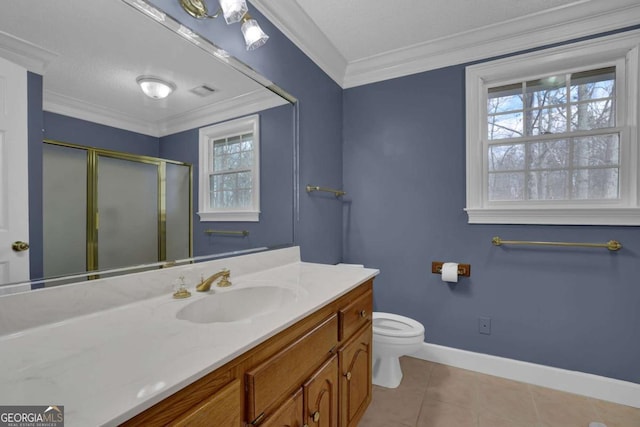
point(19, 246)
point(348, 376)
point(363, 313)
point(315, 416)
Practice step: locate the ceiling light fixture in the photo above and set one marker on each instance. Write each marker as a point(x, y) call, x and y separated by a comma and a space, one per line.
point(233, 11)
point(154, 87)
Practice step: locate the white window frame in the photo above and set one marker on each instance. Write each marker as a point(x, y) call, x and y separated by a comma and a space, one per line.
point(225, 130)
point(620, 50)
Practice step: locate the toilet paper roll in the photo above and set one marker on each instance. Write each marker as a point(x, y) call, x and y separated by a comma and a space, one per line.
point(450, 272)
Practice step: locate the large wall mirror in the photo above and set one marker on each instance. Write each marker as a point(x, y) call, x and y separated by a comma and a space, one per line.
point(90, 55)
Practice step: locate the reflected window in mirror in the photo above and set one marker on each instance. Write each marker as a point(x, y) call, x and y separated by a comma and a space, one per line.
point(230, 171)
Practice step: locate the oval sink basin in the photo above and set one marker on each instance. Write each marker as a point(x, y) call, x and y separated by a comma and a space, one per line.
point(237, 304)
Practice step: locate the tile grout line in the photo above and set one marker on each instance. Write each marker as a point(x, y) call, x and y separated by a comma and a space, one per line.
point(476, 398)
point(535, 404)
point(424, 394)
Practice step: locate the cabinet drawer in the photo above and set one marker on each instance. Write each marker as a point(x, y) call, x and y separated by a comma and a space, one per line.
point(222, 410)
point(355, 315)
point(286, 370)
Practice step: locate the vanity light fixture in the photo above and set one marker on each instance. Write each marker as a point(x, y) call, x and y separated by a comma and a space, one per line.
point(154, 87)
point(254, 37)
point(233, 11)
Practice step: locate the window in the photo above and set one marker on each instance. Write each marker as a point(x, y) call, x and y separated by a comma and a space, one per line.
point(552, 136)
point(229, 171)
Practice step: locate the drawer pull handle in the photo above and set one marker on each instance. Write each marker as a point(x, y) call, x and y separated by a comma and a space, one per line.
point(348, 376)
point(315, 416)
point(363, 313)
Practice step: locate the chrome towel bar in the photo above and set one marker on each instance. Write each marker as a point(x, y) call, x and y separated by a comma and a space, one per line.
point(612, 245)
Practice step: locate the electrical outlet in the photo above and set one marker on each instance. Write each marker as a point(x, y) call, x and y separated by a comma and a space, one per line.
point(484, 325)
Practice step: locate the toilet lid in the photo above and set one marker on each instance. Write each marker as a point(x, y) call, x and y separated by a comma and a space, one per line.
point(394, 325)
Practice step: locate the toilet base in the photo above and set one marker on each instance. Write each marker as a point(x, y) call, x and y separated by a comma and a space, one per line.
point(387, 372)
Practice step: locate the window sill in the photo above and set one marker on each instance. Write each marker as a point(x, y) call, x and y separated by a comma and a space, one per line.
point(230, 216)
point(558, 216)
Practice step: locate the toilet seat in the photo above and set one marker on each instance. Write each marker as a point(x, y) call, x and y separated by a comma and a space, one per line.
point(394, 325)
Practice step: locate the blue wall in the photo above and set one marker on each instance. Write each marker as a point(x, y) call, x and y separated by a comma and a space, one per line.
point(82, 132)
point(35, 124)
point(318, 226)
point(404, 169)
point(276, 183)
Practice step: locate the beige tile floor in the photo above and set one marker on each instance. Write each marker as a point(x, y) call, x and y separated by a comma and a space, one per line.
point(434, 395)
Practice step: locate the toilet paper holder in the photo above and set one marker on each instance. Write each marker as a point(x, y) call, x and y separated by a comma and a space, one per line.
point(463, 269)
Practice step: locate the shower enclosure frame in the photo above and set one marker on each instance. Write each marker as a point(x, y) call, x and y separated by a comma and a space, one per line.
point(92, 213)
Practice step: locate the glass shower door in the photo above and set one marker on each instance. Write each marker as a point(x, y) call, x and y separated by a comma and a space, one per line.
point(64, 210)
point(127, 212)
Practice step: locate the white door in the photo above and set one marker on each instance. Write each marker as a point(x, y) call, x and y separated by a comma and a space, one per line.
point(14, 201)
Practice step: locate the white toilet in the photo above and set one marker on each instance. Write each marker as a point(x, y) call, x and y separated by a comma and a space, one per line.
point(393, 336)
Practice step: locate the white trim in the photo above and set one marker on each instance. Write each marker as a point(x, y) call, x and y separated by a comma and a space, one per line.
point(72, 107)
point(621, 49)
point(527, 32)
point(239, 106)
point(578, 19)
point(24, 53)
point(289, 17)
point(222, 130)
point(569, 216)
point(230, 216)
point(598, 387)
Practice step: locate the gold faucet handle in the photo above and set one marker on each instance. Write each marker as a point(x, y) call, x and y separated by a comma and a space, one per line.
point(181, 293)
point(224, 280)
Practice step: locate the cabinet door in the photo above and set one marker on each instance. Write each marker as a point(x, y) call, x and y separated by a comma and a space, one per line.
point(321, 396)
point(355, 378)
point(220, 410)
point(288, 415)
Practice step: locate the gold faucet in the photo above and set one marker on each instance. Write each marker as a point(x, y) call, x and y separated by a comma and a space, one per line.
point(223, 275)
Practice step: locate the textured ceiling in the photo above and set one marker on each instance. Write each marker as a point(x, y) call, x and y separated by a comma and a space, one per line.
point(100, 47)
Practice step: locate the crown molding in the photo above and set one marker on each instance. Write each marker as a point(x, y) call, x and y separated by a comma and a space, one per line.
point(72, 107)
point(24, 53)
point(288, 17)
point(249, 103)
point(541, 29)
point(579, 19)
point(239, 106)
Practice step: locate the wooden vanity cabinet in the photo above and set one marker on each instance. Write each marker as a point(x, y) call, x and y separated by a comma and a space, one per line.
point(355, 379)
point(289, 368)
point(321, 396)
point(221, 409)
point(316, 373)
point(290, 413)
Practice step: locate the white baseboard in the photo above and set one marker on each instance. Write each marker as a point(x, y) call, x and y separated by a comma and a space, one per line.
point(612, 390)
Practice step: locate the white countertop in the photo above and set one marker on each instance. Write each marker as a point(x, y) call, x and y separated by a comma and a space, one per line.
point(108, 366)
